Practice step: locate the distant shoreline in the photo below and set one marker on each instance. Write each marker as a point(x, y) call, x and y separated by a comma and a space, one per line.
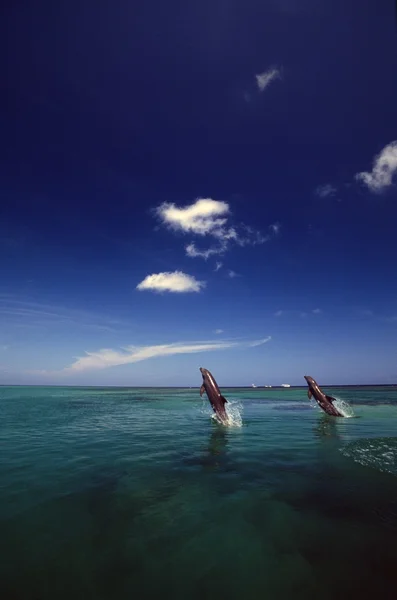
point(197, 387)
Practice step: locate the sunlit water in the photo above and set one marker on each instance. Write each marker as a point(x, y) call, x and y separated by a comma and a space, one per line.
point(138, 493)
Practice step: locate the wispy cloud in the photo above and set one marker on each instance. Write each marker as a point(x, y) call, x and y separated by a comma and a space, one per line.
point(218, 266)
point(218, 331)
point(275, 228)
point(28, 313)
point(106, 358)
point(325, 191)
point(177, 282)
point(302, 314)
point(232, 274)
point(263, 80)
point(211, 218)
point(193, 252)
point(383, 170)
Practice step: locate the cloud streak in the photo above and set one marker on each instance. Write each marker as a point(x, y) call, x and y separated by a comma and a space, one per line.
point(176, 282)
point(384, 168)
point(25, 313)
point(106, 358)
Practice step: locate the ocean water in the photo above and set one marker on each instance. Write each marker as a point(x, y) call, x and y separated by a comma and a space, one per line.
point(137, 493)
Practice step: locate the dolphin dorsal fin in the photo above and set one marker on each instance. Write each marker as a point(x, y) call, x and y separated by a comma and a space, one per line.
point(330, 398)
point(223, 399)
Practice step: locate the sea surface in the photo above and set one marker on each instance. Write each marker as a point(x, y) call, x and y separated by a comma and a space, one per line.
point(113, 493)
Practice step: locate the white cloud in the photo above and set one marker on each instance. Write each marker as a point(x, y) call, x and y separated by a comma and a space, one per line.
point(317, 311)
point(171, 282)
point(325, 191)
point(218, 266)
point(383, 170)
point(232, 274)
point(207, 217)
point(264, 79)
point(106, 358)
point(192, 251)
point(203, 217)
point(218, 331)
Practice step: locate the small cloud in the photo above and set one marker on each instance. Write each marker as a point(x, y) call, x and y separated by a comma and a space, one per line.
point(203, 217)
point(218, 266)
point(208, 217)
point(275, 228)
point(218, 331)
point(232, 274)
point(364, 312)
point(193, 252)
point(279, 313)
point(171, 282)
point(317, 311)
point(383, 170)
point(325, 191)
point(264, 79)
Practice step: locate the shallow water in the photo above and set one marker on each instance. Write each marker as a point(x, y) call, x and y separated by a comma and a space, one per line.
point(121, 493)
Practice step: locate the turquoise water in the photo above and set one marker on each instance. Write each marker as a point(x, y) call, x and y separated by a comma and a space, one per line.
point(138, 493)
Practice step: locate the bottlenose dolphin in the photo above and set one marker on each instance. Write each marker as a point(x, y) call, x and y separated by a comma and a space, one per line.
point(214, 395)
point(325, 402)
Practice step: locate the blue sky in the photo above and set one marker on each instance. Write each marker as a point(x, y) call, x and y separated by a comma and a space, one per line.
point(198, 184)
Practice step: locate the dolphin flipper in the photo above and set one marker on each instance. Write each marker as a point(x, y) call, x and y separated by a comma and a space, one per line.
point(202, 390)
point(309, 394)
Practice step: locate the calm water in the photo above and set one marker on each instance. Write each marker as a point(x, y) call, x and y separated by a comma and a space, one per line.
point(137, 493)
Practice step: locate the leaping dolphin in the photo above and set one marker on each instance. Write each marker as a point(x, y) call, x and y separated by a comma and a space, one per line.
point(325, 402)
point(214, 395)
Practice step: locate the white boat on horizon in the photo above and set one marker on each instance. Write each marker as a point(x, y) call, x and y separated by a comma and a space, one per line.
point(253, 385)
point(267, 386)
point(287, 385)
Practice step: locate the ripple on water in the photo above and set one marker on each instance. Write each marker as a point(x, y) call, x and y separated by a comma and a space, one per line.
point(378, 453)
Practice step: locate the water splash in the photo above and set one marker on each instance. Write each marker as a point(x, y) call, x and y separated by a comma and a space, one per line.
point(344, 408)
point(378, 453)
point(234, 410)
point(341, 405)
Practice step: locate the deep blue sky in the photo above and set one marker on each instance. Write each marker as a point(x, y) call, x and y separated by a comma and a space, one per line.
point(111, 109)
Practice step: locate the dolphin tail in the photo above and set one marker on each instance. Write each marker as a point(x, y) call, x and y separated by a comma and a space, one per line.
point(202, 390)
point(309, 393)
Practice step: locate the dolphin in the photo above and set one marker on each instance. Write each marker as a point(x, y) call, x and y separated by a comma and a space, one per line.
point(325, 402)
point(214, 395)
